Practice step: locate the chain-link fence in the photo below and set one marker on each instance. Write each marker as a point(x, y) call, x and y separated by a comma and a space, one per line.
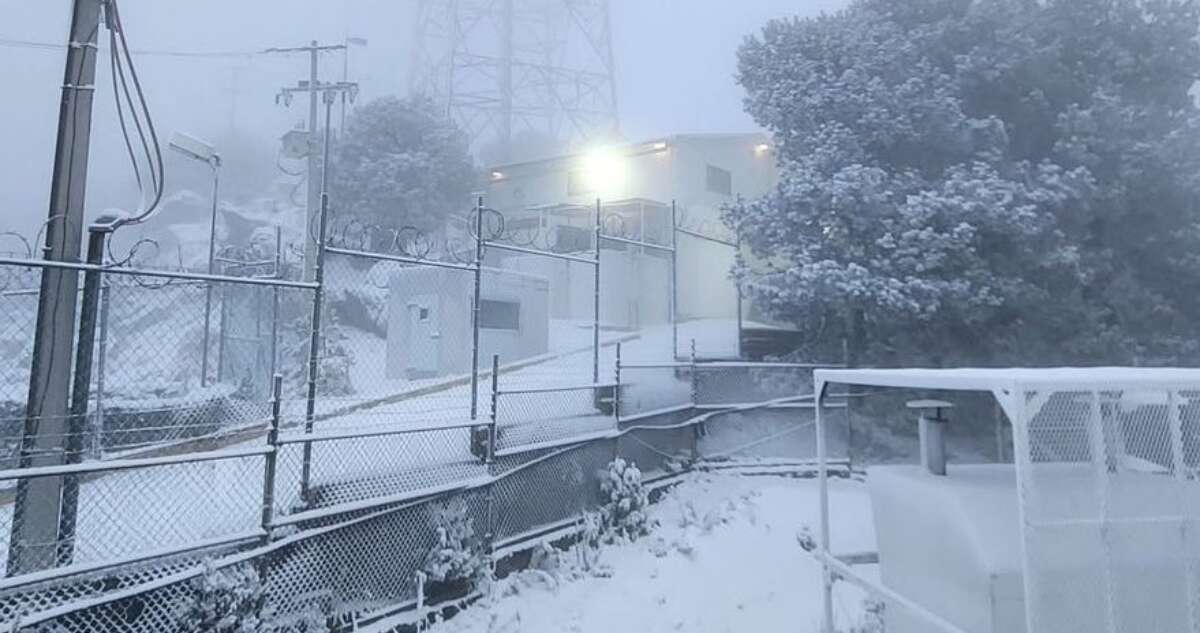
point(182, 449)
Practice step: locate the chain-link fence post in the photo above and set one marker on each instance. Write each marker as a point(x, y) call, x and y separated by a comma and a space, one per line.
point(272, 458)
point(314, 344)
point(695, 377)
point(493, 432)
point(694, 398)
point(674, 283)
point(475, 301)
point(97, 450)
point(737, 282)
point(80, 396)
point(596, 313)
point(275, 300)
point(222, 329)
point(617, 387)
point(270, 462)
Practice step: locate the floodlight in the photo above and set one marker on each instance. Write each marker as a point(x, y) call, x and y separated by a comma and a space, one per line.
point(497, 175)
point(194, 148)
point(762, 148)
point(604, 171)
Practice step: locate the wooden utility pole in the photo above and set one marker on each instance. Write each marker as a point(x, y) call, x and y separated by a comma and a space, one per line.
point(38, 504)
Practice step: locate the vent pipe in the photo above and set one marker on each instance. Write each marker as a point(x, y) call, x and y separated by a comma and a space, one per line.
point(931, 428)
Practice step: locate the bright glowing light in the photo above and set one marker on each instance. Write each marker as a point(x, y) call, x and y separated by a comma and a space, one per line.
point(604, 171)
point(497, 175)
point(762, 148)
point(660, 146)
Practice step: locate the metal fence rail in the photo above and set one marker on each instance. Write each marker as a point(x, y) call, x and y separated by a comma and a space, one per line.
point(360, 554)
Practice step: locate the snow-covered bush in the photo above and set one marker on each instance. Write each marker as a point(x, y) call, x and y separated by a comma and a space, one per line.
point(623, 515)
point(458, 554)
point(333, 370)
point(229, 600)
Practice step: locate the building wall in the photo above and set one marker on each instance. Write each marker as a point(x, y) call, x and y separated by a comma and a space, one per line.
point(413, 353)
point(634, 287)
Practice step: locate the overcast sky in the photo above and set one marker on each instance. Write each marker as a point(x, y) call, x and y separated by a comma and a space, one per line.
point(675, 65)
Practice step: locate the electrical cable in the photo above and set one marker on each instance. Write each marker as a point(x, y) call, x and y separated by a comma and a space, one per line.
point(31, 44)
point(123, 60)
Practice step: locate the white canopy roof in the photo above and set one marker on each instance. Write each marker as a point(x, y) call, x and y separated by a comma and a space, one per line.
point(982, 379)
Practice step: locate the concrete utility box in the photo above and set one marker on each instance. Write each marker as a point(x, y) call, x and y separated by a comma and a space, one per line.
point(429, 320)
point(952, 543)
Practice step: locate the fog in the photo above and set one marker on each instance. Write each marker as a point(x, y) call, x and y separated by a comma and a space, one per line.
point(675, 64)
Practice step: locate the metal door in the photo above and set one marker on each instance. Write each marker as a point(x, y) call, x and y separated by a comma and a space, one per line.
point(424, 336)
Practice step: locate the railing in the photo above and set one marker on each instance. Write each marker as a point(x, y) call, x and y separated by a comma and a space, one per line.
point(388, 481)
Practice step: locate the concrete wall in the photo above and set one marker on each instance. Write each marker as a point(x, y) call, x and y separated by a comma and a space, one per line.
point(443, 346)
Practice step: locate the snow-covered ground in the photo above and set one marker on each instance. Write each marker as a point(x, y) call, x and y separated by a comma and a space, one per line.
point(725, 557)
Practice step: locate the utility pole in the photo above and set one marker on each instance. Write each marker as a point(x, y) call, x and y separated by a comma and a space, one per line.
point(329, 92)
point(38, 504)
point(313, 201)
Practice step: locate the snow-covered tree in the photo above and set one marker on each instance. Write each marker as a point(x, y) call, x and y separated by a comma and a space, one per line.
point(401, 163)
point(980, 181)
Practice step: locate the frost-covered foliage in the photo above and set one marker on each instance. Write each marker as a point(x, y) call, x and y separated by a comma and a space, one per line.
point(623, 515)
point(458, 553)
point(335, 359)
point(401, 163)
point(226, 600)
point(1000, 181)
point(873, 619)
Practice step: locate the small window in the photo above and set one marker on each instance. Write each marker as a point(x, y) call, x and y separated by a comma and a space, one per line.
point(720, 181)
point(577, 183)
point(423, 314)
point(499, 315)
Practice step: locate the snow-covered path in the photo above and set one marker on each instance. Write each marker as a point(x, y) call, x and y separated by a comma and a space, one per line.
point(725, 558)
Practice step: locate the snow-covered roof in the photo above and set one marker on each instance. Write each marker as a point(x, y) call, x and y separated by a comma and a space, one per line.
point(992, 379)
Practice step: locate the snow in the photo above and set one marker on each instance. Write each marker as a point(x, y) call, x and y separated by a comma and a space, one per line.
point(724, 557)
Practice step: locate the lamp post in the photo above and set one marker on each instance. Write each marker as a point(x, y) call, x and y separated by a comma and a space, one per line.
point(204, 152)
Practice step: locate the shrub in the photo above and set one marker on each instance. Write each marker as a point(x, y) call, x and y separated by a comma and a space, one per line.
point(226, 601)
point(458, 554)
point(623, 515)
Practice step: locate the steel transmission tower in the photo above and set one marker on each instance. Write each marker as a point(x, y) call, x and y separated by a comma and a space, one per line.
point(503, 67)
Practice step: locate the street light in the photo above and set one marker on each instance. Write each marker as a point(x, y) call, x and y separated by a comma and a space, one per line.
point(197, 149)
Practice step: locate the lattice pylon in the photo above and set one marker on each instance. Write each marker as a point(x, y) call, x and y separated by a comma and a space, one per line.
point(504, 67)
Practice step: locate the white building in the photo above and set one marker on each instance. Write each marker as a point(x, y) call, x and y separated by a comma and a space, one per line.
point(552, 202)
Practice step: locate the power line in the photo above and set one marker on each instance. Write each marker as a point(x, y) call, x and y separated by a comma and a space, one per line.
point(34, 45)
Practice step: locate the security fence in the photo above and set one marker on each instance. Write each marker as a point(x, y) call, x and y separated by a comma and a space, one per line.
point(355, 548)
point(312, 434)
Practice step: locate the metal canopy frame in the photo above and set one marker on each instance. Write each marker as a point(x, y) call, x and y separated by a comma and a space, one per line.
point(1009, 386)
